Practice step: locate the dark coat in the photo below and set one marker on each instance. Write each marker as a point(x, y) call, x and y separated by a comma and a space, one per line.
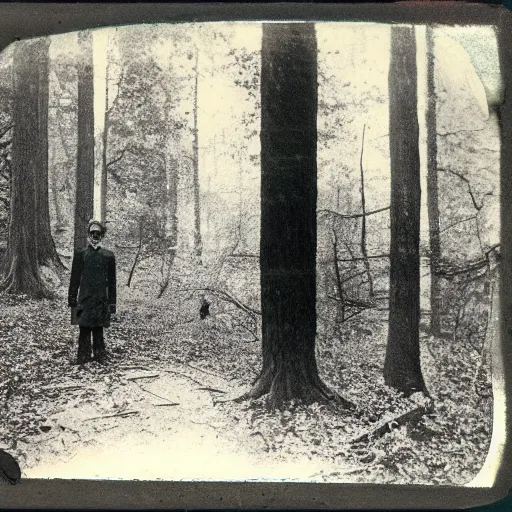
point(92, 287)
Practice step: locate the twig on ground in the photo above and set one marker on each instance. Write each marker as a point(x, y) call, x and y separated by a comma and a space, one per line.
point(158, 396)
point(213, 390)
point(133, 368)
point(117, 414)
point(185, 375)
point(137, 377)
point(205, 371)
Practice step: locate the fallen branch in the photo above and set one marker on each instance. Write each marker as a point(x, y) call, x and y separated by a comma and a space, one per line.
point(116, 415)
point(213, 390)
point(65, 387)
point(184, 375)
point(133, 368)
point(205, 371)
point(137, 377)
point(158, 396)
point(385, 426)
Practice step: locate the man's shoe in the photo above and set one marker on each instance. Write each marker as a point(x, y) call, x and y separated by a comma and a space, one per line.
point(100, 358)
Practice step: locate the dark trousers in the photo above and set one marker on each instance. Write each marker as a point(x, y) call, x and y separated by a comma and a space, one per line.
point(84, 344)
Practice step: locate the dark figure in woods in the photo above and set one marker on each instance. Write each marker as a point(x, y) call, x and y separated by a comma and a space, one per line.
point(204, 310)
point(92, 293)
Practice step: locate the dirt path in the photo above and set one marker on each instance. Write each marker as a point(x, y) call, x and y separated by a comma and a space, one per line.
point(161, 424)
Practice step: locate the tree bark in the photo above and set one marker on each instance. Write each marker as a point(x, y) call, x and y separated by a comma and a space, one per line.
point(402, 369)
point(288, 216)
point(432, 191)
point(21, 270)
point(85, 154)
point(46, 251)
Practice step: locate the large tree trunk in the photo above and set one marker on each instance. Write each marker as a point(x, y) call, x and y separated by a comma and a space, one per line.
point(402, 368)
point(288, 215)
point(46, 251)
point(85, 154)
point(432, 192)
point(21, 261)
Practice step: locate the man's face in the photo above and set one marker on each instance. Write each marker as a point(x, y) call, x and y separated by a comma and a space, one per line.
point(95, 235)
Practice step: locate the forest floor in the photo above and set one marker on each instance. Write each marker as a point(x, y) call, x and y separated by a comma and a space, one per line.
point(162, 408)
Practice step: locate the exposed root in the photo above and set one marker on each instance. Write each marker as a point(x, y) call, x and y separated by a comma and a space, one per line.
point(281, 387)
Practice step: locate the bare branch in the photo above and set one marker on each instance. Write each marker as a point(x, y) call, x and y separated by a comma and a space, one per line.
point(375, 256)
point(465, 180)
point(457, 132)
point(227, 297)
point(355, 215)
point(242, 255)
point(119, 157)
point(457, 223)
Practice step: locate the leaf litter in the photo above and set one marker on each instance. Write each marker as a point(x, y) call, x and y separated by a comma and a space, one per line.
point(40, 389)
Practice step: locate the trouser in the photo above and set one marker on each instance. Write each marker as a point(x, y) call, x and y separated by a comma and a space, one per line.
point(84, 344)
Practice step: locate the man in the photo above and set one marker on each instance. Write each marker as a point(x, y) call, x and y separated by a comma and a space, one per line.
point(92, 294)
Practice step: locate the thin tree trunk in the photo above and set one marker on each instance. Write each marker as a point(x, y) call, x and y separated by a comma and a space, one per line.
point(339, 284)
point(197, 210)
point(104, 173)
point(364, 252)
point(21, 272)
point(433, 192)
point(137, 256)
point(46, 251)
point(288, 216)
point(84, 205)
point(402, 369)
point(172, 205)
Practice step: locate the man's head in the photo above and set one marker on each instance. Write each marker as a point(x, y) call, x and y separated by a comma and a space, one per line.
point(95, 233)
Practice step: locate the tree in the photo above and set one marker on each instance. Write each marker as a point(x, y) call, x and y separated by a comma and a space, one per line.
point(46, 251)
point(197, 212)
point(85, 154)
point(21, 270)
point(433, 192)
point(402, 369)
point(288, 216)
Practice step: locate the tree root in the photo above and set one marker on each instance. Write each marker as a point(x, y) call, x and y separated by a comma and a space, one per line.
point(283, 386)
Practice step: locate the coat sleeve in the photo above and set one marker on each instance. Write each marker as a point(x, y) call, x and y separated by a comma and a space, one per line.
point(74, 282)
point(112, 286)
